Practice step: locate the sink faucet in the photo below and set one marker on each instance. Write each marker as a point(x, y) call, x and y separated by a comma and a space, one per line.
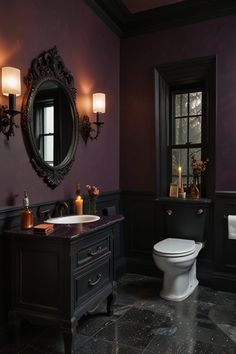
point(61, 208)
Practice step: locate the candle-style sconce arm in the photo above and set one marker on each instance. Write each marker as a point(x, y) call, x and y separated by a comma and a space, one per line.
point(86, 130)
point(7, 123)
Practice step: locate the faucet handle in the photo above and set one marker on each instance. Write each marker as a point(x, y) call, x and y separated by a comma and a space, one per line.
point(44, 214)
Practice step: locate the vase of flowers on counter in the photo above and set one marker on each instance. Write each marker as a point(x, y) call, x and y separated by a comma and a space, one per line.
point(198, 167)
point(92, 194)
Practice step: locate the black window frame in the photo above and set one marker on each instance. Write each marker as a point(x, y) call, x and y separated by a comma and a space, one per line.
point(173, 76)
point(187, 89)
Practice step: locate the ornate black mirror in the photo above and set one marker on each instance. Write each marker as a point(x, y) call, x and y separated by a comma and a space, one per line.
point(49, 117)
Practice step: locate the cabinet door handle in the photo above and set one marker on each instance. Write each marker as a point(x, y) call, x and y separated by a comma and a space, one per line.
point(95, 282)
point(169, 212)
point(199, 211)
point(94, 253)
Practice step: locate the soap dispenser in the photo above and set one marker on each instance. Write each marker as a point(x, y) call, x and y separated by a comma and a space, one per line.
point(26, 214)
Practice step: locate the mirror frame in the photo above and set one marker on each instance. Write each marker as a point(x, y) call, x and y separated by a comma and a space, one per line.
point(48, 66)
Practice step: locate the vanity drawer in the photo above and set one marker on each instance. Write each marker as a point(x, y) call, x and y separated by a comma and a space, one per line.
point(86, 284)
point(88, 253)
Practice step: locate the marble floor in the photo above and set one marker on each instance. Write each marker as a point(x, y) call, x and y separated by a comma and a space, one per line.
point(204, 323)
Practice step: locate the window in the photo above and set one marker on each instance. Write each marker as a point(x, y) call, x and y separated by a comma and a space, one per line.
point(47, 135)
point(44, 130)
point(185, 112)
point(186, 132)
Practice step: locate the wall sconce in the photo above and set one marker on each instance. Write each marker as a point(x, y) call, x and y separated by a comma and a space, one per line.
point(99, 106)
point(11, 87)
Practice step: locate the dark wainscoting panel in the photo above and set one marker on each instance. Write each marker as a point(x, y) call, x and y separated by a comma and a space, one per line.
point(10, 217)
point(225, 249)
point(139, 234)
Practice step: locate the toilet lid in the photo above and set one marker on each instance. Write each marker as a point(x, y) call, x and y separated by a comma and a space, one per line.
point(174, 247)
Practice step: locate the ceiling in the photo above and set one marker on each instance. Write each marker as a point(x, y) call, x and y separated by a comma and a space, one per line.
point(134, 17)
point(143, 5)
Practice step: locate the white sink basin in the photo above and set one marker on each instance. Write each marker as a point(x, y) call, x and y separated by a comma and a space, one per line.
point(73, 219)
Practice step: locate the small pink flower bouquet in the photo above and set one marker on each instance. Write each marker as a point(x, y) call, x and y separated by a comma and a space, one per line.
point(198, 166)
point(92, 192)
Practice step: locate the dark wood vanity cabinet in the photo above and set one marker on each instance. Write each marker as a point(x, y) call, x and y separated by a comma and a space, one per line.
point(58, 278)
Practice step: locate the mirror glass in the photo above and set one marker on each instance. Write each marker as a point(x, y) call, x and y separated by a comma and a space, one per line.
point(50, 121)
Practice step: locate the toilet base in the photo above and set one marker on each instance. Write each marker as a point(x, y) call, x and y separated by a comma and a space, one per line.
point(177, 287)
point(181, 297)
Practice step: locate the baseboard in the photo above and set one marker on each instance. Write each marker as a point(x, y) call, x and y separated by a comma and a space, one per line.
point(120, 267)
point(224, 282)
point(3, 335)
point(142, 267)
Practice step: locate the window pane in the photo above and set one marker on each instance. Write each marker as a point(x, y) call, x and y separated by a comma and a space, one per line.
point(195, 130)
point(179, 158)
point(48, 120)
point(181, 105)
point(48, 148)
point(197, 153)
point(195, 103)
point(181, 131)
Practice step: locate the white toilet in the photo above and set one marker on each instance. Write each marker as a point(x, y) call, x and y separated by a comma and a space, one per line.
point(177, 259)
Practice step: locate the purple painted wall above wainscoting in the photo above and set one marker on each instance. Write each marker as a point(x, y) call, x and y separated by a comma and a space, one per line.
point(92, 52)
point(139, 56)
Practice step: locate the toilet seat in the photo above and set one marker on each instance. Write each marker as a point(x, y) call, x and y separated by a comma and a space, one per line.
point(174, 247)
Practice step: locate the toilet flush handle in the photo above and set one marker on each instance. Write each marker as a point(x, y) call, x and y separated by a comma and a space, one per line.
point(169, 212)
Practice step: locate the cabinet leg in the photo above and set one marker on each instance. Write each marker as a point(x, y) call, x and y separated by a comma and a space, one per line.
point(68, 329)
point(110, 302)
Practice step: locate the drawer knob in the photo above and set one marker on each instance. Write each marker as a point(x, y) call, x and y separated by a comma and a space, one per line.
point(199, 211)
point(94, 253)
point(95, 282)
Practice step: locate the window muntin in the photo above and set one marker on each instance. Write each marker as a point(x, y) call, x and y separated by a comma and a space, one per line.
point(186, 132)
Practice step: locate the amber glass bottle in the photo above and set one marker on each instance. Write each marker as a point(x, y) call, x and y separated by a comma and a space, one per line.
point(26, 214)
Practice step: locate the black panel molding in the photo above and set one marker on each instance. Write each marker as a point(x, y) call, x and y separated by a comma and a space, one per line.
point(126, 24)
point(224, 248)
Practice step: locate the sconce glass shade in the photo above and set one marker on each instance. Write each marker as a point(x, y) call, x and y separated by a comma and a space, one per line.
point(11, 82)
point(99, 103)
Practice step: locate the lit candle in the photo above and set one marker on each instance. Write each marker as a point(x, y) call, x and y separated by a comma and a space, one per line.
point(79, 205)
point(180, 178)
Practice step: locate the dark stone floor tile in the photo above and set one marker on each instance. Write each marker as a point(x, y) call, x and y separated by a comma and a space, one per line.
point(32, 350)
point(204, 323)
point(221, 314)
point(146, 318)
point(98, 346)
point(213, 296)
point(125, 299)
point(229, 330)
point(90, 325)
point(127, 333)
point(142, 287)
point(161, 345)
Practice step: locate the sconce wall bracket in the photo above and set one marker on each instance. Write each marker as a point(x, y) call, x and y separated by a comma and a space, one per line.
point(7, 123)
point(86, 129)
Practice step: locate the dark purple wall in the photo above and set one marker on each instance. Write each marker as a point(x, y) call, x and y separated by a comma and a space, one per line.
point(92, 53)
point(139, 56)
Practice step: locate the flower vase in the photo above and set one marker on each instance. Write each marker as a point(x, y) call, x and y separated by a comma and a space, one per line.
point(92, 206)
point(195, 192)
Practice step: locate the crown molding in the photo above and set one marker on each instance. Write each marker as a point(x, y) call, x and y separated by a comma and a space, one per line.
point(126, 24)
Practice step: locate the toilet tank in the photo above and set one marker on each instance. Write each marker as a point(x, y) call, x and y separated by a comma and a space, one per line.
point(183, 218)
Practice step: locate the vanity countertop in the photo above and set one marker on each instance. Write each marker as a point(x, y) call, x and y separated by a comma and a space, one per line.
point(68, 231)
